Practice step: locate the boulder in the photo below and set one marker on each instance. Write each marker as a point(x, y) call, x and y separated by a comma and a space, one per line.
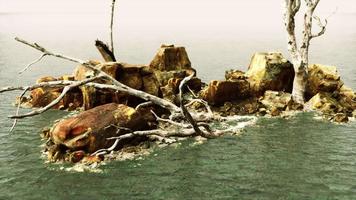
point(322, 78)
point(340, 118)
point(90, 129)
point(276, 99)
point(219, 92)
point(151, 85)
point(270, 71)
point(41, 97)
point(325, 103)
point(170, 58)
point(234, 75)
point(139, 77)
point(347, 98)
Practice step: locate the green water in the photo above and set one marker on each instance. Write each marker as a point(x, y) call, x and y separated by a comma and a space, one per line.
point(300, 158)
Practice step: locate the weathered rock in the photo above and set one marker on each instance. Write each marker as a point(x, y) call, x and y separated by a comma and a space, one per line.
point(241, 107)
point(46, 79)
point(340, 118)
point(92, 159)
point(41, 97)
point(219, 92)
point(170, 58)
point(322, 78)
point(278, 100)
point(90, 129)
point(81, 72)
point(235, 75)
point(139, 77)
point(274, 111)
point(325, 103)
point(270, 71)
point(151, 85)
point(76, 156)
point(347, 98)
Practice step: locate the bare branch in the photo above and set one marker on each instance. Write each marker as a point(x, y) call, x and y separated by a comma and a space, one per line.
point(18, 108)
point(143, 95)
point(104, 151)
point(170, 121)
point(51, 84)
point(144, 104)
point(57, 100)
point(192, 92)
point(43, 50)
point(321, 25)
point(111, 26)
point(210, 112)
point(34, 62)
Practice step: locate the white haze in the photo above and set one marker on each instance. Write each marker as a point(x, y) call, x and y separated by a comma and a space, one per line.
point(218, 34)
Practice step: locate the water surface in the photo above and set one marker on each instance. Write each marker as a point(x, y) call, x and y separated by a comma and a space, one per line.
point(300, 158)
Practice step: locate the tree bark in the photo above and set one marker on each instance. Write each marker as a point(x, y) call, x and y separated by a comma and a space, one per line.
point(300, 56)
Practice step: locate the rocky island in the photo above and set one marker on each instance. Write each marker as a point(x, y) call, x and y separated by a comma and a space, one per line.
point(107, 114)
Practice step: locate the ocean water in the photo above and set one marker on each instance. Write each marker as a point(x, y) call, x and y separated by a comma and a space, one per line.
point(299, 158)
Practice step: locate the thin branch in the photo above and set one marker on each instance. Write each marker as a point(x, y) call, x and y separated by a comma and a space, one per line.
point(192, 92)
point(111, 26)
point(202, 102)
point(101, 151)
point(144, 104)
point(321, 25)
point(18, 108)
point(51, 84)
point(34, 62)
point(170, 121)
point(96, 68)
point(43, 50)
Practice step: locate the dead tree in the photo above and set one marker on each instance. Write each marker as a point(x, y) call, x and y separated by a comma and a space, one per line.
point(300, 54)
point(181, 122)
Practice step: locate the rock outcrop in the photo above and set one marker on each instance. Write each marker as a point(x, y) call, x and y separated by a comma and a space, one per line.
point(171, 65)
point(277, 100)
point(329, 107)
point(219, 92)
point(270, 71)
point(171, 58)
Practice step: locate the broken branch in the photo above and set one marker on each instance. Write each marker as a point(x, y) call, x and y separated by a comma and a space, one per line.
point(34, 62)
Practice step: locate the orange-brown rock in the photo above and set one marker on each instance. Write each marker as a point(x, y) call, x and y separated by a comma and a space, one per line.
point(322, 78)
point(41, 97)
point(347, 98)
point(270, 71)
point(139, 77)
point(234, 75)
point(151, 84)
point(219, 92)
point(170, 58)
point(90, 129)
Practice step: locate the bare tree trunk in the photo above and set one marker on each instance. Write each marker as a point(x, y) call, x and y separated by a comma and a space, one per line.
point(300, 56)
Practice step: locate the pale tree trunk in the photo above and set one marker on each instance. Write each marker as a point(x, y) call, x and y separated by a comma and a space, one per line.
point(300, 55)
